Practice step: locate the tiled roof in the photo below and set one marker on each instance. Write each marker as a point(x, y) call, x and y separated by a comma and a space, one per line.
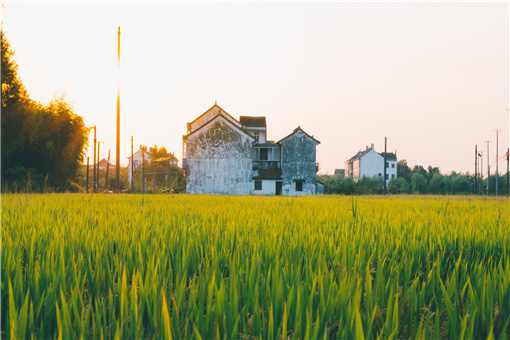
point(248, 121)
point(359, 154)
point(269, 174)
point(389, 155)
point(296, 130)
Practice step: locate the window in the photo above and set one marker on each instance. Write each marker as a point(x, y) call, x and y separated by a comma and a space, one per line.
point(387, 176)
point(263, 154)
point(256, 135)
point(380, 175)
point(387, 164)
point(299, 185)
point(258, 185)
point(393, 165)
point(393, 176)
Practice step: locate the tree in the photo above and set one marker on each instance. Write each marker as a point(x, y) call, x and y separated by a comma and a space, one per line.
point(398, 185)
point(418, 183)
point(403, 170)
point(437, 184)
point(460, 184)
point(41, 145)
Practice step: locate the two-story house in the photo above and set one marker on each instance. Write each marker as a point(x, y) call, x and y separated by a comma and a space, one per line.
point(223, 155)
point(369, 163)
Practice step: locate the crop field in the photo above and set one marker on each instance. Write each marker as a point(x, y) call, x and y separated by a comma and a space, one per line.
point(181, 266)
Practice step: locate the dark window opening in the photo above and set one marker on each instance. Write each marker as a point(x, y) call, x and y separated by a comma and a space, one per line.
point(258, 185)
point(263, 154)
point(387, 176)
point(387, 164)
point(299, 185)
point(393, 165)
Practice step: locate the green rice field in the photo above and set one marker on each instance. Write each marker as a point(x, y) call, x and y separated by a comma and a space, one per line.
point(214, 267)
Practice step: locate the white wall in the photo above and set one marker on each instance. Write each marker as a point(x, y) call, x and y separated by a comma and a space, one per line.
point(261, 131)
point(268, 187)
point(219, 160)
point(371, 164)
point(137, 156)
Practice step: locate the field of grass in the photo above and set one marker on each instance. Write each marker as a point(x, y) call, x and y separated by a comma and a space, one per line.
point(180, 266)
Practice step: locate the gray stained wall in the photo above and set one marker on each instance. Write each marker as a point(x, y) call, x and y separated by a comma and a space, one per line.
point(219, 159)
point(298, 163)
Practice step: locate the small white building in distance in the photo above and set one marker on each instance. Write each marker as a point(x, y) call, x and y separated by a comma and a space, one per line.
point(369, 163)
point(137, 160)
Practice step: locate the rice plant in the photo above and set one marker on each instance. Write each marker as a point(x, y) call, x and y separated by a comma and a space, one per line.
point(180, 266)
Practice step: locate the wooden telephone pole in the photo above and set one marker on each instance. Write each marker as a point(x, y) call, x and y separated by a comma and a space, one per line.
point(117, 163)
point(94, 165)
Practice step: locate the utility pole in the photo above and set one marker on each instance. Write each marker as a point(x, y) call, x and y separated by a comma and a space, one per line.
point(384, 166)
point(488, 170)
point(97, 173)
point(107, 166)
point(497, 175)
point(132, 165)
point(87, 186)
point(476, 168)
point(143, 169)
point(94, 165)
point(507, 183)
point(480, 154)
point(117, 163)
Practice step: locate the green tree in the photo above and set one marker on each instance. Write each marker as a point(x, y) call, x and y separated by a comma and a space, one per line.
point(460, 184)
point(437, 184)
point(403, 170)
point(41, 145)
point(398, 185)
point(418, 183)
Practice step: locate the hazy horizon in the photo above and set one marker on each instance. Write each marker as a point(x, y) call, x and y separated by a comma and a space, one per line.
point(431, 77)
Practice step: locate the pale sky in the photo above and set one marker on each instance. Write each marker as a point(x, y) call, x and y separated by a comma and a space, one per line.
point(432, 77)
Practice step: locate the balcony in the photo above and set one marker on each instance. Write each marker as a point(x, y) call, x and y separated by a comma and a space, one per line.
point(266, 165)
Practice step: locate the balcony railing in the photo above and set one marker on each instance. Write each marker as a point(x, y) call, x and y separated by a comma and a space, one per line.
point(266, 165)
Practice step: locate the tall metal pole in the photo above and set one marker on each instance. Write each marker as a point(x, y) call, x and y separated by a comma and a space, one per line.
point(117, 163)
point(480, 154)
point(87, 186)
point(143, 169)
point(507, 182)
point(107, 166)
point(98, 159)
point(488, 170)
point(476, 169)
point(497, 175)
point(384, 166)
point(132, 166)
point(94, 165)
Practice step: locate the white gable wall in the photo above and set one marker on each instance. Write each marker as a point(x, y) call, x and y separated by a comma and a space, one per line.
point(210, 114)
point(371, 164)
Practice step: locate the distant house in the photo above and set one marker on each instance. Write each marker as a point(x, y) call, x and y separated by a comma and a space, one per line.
point(147, 156)
point(369, 163)
point(223, 155)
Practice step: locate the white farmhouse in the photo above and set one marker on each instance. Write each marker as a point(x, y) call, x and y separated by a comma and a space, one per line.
point(223, 155)
point(369, 163)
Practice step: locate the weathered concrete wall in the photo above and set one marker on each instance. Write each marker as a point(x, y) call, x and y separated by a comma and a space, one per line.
point(298, 163)
point(219, 160)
